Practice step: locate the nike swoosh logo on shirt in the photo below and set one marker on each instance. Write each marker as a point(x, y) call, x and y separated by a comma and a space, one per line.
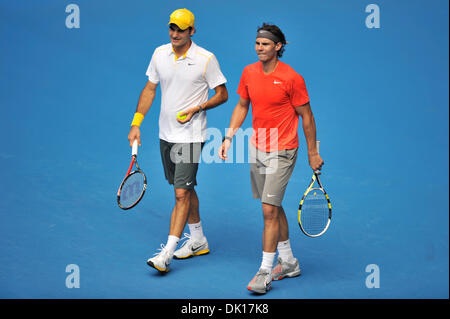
point(268, 195)
point(276, 82)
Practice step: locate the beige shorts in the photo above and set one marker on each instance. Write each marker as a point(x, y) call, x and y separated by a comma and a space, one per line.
point(270, 173)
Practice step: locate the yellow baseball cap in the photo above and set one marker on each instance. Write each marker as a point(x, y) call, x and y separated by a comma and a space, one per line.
point(183, 18)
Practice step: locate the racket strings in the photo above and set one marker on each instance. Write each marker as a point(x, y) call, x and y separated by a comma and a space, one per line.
point(132, 189)
point(315, 212)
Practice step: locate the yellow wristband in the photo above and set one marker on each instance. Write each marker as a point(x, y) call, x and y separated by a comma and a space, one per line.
point(137, 119)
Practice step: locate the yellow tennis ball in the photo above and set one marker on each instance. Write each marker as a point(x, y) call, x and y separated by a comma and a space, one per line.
point(181, 117)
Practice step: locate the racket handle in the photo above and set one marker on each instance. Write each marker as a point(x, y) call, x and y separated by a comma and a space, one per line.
point(134, 148)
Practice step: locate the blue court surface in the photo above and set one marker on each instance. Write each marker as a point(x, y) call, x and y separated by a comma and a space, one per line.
point(381, 102)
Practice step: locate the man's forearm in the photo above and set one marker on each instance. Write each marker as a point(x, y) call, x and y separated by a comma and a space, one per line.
point(218, 98)
point(145, 101)
point(237, 118)
point(309, 129)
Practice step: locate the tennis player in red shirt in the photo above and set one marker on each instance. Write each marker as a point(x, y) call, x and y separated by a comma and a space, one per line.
point(278, 96)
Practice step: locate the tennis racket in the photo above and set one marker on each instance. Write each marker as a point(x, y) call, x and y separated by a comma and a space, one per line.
point(314, 211)
point(133, 186)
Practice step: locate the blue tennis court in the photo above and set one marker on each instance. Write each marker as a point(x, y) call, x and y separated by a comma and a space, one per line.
point(380, 99)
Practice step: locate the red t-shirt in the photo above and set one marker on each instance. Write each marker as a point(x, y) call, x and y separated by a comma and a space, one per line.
point(273, 98)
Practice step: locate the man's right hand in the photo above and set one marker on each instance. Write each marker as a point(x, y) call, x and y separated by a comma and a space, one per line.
point(223, 150)
point(135, 134)
point(315, 161)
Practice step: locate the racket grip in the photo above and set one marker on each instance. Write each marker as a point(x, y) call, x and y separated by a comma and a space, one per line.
point(134, 148)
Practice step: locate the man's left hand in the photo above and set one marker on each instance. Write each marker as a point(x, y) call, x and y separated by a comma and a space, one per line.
point(189, 114)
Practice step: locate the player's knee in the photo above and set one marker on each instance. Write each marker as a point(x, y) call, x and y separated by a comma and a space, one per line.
point(270, 212)
point(182, 195)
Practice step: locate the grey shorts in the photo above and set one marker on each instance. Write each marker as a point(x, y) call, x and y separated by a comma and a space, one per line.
point(180, 162)
point(270, 173)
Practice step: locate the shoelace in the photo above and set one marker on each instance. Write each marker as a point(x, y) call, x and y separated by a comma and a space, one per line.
point(265, 277)
point(159, 250)
point(187, 237)
point(264, 274)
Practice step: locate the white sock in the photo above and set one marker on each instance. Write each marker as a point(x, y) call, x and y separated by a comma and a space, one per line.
point(196, 230)
point(285, 251)
point(172, 243)
point(267, 261)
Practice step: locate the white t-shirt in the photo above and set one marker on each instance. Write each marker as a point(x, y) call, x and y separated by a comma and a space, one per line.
point(184, 83)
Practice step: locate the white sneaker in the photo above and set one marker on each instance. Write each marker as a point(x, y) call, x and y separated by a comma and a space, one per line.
point(285, 269)
point(261, 283)
point(161, 261)
point(192, 247)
